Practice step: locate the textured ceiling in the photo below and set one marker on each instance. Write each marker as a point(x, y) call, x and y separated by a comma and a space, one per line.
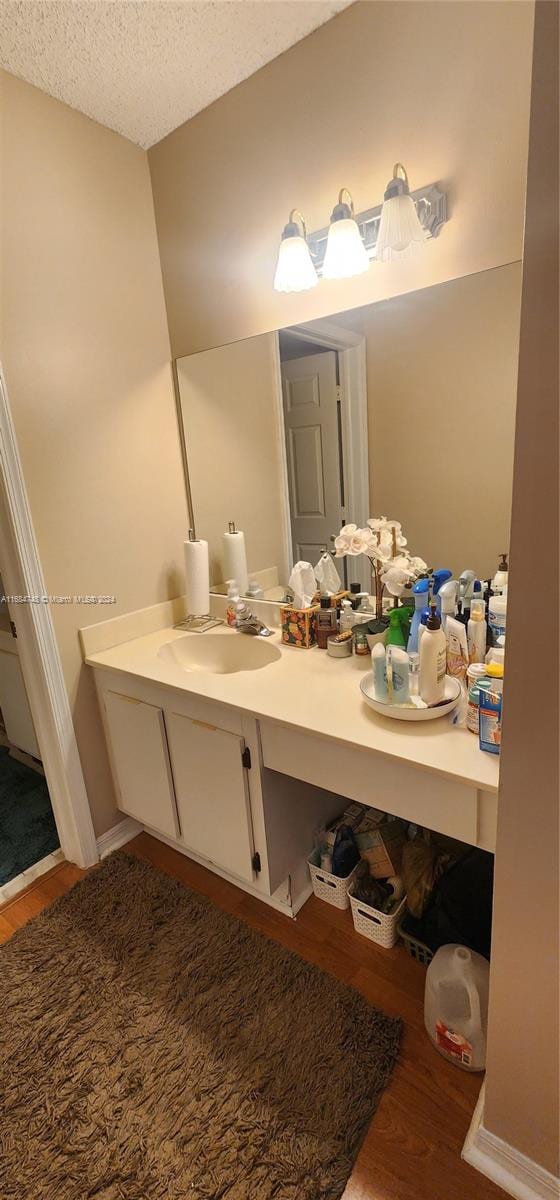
point(142, 67)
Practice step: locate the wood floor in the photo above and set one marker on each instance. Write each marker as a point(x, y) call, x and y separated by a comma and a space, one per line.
point(412, 1149)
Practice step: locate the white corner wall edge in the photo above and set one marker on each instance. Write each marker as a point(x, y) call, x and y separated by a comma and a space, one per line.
point(118, 835)
point(40, 658)
point(504, 1165)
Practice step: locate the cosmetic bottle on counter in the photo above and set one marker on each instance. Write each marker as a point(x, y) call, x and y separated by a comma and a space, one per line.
point(476, 632)
point(326, 622)
point(347, 616)
point(433, 654)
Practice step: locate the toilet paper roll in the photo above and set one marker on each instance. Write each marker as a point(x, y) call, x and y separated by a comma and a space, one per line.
point(198, 578)
point(235, 559)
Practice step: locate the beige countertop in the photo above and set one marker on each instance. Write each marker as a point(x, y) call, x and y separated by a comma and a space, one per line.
point(317, 694)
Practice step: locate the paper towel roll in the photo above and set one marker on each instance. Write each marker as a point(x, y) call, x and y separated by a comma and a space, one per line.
point(235, 558)
point(198, 578)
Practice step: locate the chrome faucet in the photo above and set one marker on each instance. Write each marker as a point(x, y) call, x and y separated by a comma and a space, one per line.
point(247, 622)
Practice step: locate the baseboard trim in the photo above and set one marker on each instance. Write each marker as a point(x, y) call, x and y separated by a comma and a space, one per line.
point(116, 837)
point(504, 1165)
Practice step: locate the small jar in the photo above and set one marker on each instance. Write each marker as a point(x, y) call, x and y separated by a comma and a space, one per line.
point(361, 646)
point(475, 676)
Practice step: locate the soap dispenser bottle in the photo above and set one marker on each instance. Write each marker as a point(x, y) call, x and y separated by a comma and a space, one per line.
point(500, 580)
point(233, 601)
point(420, 593)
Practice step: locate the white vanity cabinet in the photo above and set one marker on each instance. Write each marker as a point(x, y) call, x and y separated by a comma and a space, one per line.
point(210, 772)
point(140, 760)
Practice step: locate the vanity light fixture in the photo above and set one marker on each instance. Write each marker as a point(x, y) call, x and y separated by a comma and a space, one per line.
point(294, 270)
point(393, 229)
point(400, 229)
point(346, 254)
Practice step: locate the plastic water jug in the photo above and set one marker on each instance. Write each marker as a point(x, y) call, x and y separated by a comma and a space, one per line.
point(456, 1006)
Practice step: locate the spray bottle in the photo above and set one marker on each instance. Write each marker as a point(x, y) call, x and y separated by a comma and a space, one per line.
point(438, 579)
point(466, 587)
point(420, 592)
point(399, 626)
point(447, 597)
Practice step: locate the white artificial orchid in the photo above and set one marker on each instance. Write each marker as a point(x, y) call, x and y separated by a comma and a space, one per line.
point(384, 544)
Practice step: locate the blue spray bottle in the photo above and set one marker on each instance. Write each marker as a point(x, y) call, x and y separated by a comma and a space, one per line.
point(438, 579)
point(420, 592)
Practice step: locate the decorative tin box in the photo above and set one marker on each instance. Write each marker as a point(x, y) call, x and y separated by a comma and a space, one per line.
point(299, 626)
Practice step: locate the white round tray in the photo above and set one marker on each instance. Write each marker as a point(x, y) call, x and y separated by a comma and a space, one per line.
point(400, 713)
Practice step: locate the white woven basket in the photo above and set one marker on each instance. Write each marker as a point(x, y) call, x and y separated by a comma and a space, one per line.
point(379, 927)
point(329, 887)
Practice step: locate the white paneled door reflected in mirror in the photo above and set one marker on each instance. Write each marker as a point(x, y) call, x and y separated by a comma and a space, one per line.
point(403, 409)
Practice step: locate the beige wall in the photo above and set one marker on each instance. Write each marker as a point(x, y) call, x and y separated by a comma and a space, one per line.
point(442, 382)
point(443, 87)
point(86, 355)
point(232, 438)
point(522, 1082)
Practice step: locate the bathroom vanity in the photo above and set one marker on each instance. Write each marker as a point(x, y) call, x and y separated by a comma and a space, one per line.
point(235, 749)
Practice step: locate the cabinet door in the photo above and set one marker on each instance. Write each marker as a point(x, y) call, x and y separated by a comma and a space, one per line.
point(15, 706)
point(140, 759)
point(212, 793)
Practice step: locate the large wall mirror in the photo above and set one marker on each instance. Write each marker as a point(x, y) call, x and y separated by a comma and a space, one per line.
point(404, 408)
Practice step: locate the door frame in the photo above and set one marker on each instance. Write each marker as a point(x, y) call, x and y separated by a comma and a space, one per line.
point(39, 654)
point(351, 349)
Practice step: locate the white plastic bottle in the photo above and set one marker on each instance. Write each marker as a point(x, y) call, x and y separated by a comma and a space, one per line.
point(476, 632)
point(456, 1005)
point(433, 654)
point(347, 616)
point(497, 614)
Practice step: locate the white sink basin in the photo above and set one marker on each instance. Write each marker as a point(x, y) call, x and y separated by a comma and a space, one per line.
point(219, 654)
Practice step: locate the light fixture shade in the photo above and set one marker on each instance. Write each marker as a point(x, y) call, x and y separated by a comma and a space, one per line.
point(294, 271)
point(400, 229)
point(345, 254)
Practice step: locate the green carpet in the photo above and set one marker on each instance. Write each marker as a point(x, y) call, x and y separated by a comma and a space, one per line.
point(27, 828)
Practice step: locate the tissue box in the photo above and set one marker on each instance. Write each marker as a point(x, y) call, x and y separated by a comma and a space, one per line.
point(299, 626)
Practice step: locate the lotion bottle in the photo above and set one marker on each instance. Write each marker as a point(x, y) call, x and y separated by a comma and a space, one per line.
point(433, 654)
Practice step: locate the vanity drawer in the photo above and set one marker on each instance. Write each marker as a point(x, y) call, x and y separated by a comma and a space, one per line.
point(405, 791)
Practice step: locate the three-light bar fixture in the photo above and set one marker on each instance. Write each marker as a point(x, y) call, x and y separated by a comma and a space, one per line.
point(393, 230)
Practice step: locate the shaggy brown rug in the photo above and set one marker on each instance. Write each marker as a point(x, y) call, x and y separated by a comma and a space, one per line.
point(155, 1048)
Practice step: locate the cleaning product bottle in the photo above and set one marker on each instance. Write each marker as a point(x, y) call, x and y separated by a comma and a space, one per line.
point(456, 1005)
point(420, 593)
point(490, 709)
point(399, 626)
point(447, 597)
point(433, 655)
point(497, 613)
point(476, 632)
point(500, 580)
point(466, 587)
point(438, 579)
